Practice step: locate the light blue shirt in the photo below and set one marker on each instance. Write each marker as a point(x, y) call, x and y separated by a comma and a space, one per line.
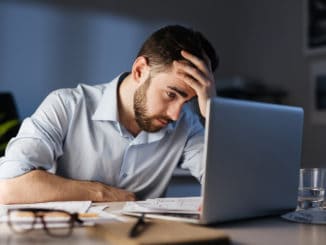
point(75, 133)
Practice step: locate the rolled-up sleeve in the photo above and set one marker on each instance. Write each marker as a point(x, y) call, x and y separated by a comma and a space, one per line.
point(39, 141)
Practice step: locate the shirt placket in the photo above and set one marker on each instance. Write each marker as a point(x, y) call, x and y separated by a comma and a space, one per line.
point(128, 156)
point(128, 161)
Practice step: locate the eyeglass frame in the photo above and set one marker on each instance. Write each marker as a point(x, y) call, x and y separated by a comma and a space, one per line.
point(74, 217)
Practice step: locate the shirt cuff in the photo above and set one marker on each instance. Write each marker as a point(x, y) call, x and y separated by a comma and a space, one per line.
point(11, 169)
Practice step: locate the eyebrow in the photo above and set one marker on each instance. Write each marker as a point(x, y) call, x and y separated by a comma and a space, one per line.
point(179, 91)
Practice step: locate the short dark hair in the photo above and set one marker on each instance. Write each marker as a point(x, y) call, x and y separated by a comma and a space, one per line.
point(165, 45)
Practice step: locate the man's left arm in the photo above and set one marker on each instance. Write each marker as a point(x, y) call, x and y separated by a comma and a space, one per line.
point(199, 76)
point(192, 154)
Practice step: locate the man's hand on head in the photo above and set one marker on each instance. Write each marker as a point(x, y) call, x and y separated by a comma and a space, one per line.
point(199, 77)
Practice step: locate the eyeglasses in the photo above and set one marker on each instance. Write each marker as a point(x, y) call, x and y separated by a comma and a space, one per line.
point(56, 223)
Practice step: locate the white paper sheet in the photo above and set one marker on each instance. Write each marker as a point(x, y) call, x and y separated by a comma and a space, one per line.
point(69, 206)
point(189, 205)
point(88, 213)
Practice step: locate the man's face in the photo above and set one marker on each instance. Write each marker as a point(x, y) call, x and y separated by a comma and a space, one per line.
point(159, 100)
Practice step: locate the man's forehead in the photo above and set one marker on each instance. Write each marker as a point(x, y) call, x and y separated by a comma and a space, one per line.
point(181, 87)
point(172, 79)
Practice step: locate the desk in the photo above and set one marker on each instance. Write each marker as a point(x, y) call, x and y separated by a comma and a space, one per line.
point(274, 231)
point(257, 231)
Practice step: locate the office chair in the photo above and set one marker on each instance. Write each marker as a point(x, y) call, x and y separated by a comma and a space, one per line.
point(9, 121)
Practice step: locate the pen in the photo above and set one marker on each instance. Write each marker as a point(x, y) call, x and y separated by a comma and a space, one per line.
point(138, 227)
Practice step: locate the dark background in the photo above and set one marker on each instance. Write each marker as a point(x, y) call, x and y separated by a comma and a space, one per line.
point(45, 45)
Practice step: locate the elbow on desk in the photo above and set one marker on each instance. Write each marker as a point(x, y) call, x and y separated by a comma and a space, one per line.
point(5, 192)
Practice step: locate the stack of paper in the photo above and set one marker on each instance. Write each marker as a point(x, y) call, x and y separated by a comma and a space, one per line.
point(71, 206)
point(187, 205)
point(88, 213)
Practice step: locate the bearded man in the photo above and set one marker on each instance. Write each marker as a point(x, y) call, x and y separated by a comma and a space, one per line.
point(121, 140)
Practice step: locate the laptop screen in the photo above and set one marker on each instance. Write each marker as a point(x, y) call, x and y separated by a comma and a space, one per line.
point(252, 156)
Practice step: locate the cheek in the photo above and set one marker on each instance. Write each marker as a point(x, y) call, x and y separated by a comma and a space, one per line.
point(155, 104)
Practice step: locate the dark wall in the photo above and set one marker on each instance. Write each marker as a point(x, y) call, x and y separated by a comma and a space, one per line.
point(45, 45)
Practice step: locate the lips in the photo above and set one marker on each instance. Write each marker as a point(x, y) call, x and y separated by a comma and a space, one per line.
point(162, 121)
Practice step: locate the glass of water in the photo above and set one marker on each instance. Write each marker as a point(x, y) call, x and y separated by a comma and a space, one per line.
point(311, 188)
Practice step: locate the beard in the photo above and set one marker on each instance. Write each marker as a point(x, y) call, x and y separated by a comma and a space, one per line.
point(144, 121)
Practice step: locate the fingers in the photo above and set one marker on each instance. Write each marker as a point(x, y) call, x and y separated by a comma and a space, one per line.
point(200, 64)
point(121, 195)
point(198, 75)
point(189, 74)
point(112, 194)
point(130, 196)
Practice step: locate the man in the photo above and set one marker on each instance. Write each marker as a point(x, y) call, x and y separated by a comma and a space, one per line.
point(121, 140)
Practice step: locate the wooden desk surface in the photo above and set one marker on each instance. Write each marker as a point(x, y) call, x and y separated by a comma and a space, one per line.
point(274, 231)
point(258, 231)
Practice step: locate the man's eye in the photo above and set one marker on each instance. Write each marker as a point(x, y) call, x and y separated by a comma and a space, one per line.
point(171, 95)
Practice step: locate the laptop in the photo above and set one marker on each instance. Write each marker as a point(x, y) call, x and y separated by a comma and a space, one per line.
point(252, 155)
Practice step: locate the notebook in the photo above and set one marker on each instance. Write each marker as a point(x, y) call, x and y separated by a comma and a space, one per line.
point(252, 157)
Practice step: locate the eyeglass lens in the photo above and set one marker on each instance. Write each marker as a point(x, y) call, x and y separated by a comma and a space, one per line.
point(55, 223)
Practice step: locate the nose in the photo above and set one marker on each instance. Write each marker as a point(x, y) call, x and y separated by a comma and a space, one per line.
point(173, 112)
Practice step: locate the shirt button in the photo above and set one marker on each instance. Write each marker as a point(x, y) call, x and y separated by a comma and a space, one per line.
point(124, 175)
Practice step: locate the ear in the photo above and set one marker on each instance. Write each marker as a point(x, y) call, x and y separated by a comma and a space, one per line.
point(140, 69)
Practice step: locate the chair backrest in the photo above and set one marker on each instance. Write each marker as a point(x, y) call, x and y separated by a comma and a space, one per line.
point(9, 120)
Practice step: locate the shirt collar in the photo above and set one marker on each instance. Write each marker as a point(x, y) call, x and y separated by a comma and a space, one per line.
point(146, 137)
point(107, 109)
